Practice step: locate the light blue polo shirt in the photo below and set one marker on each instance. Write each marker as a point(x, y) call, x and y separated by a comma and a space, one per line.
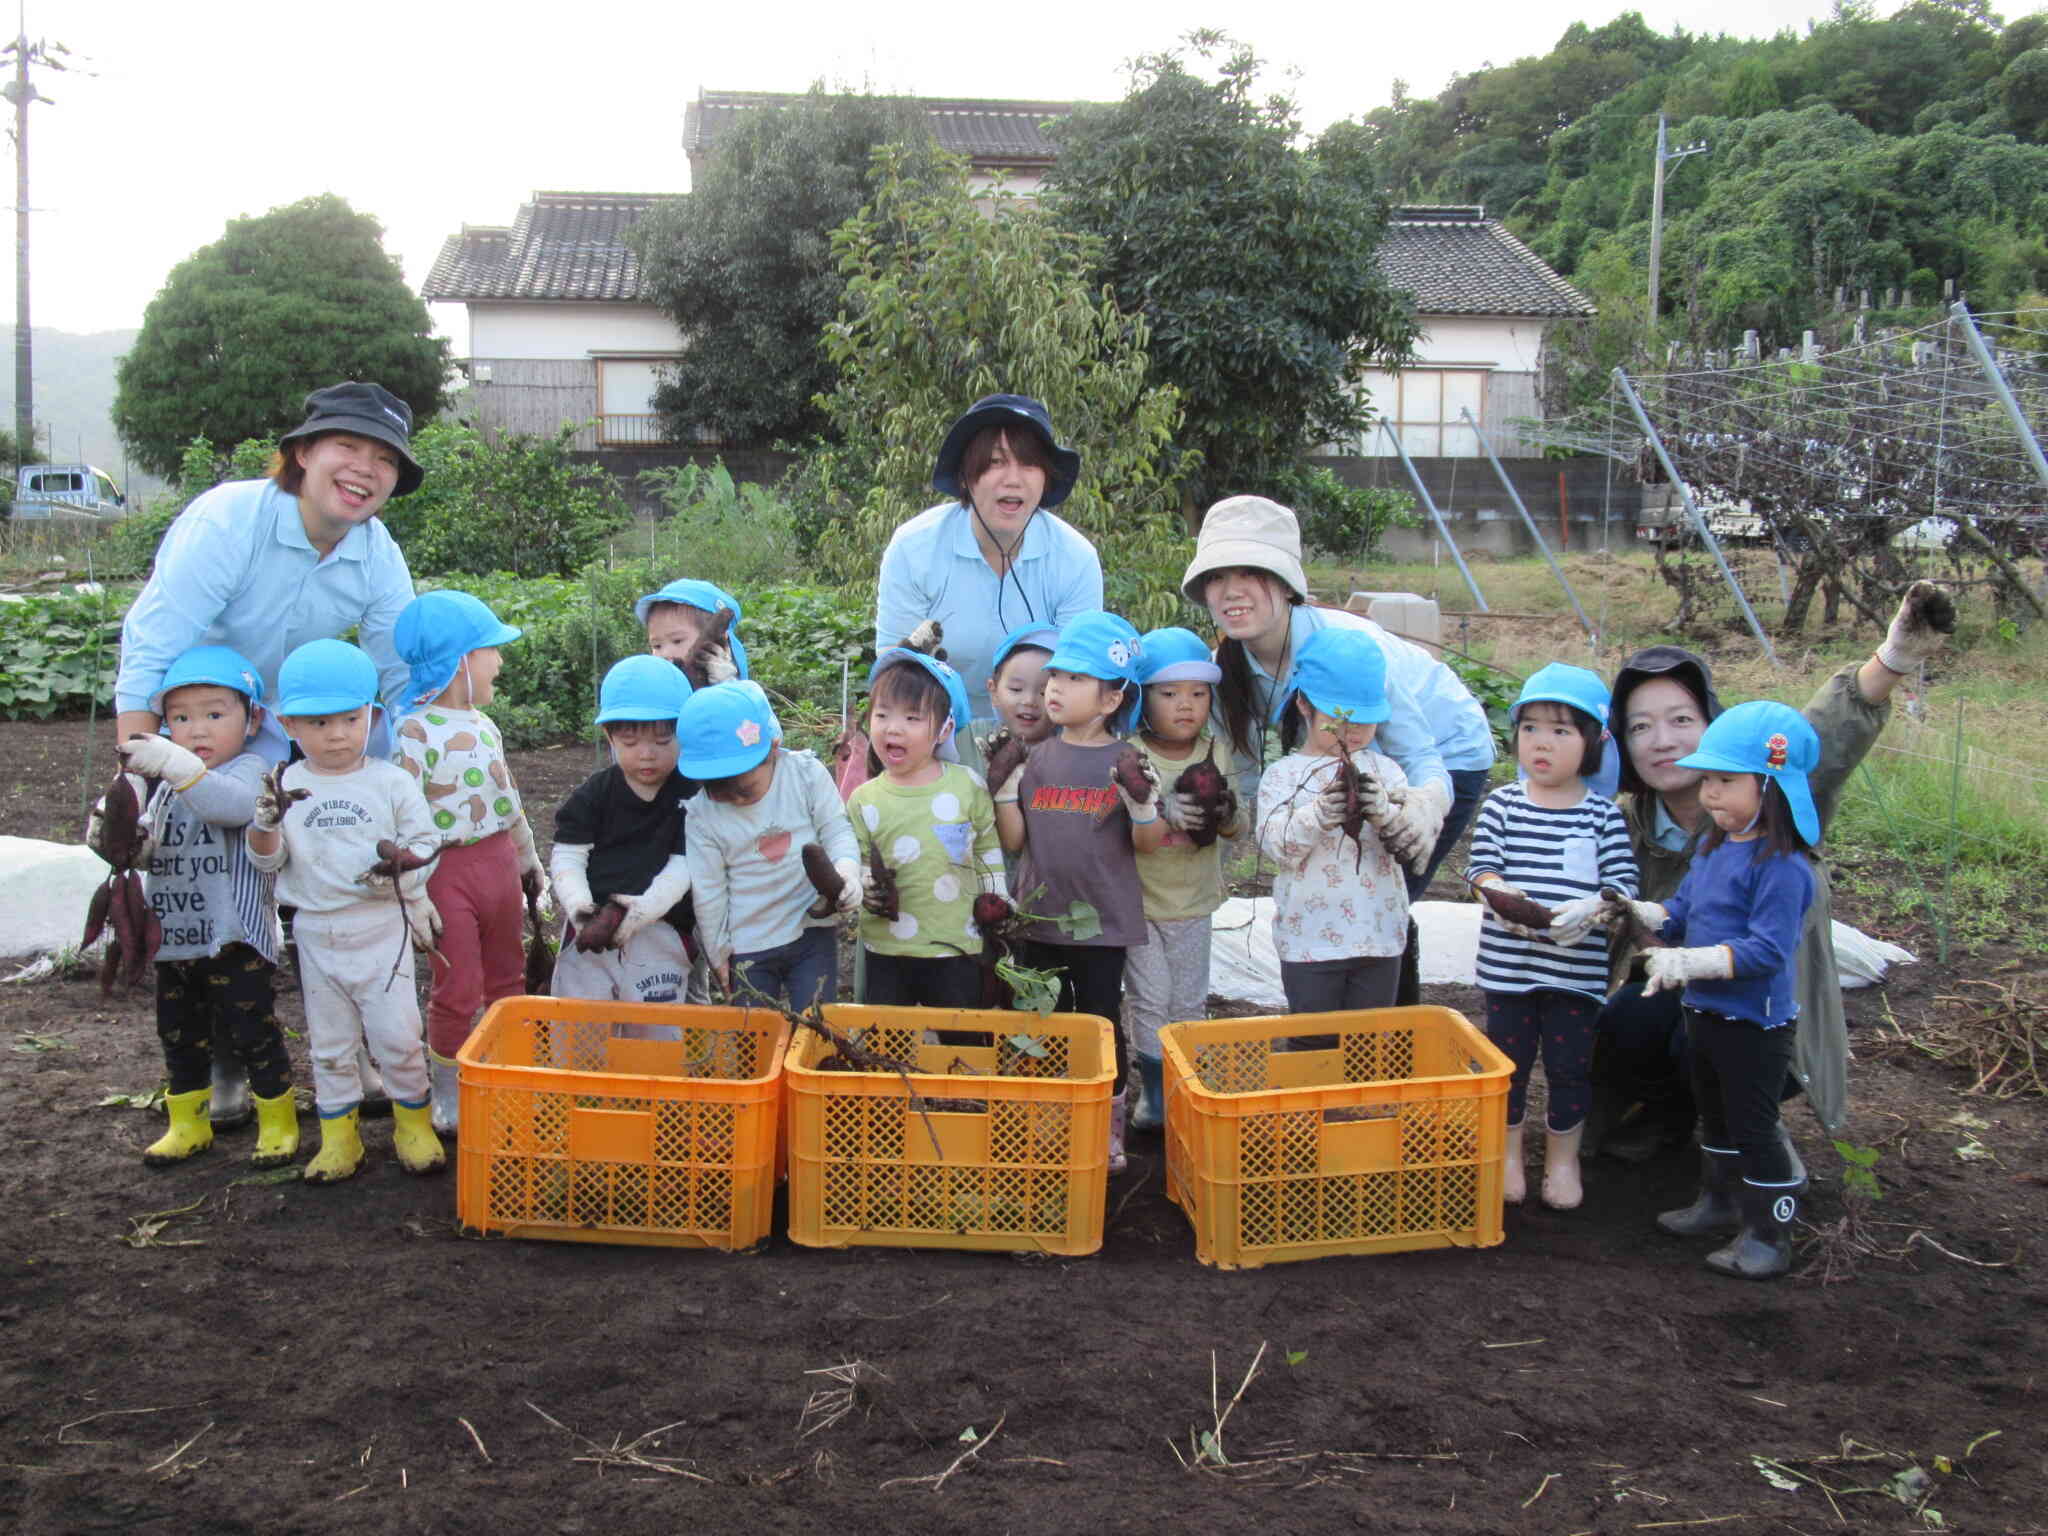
point(237, 569)
point(933, 569)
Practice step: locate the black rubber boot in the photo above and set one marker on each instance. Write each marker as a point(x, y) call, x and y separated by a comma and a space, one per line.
point(1762, 1250)
point(1713, 1212)
point(1408, 989)
point(231, 1108)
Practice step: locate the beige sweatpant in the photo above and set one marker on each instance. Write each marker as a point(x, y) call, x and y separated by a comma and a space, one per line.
point(346, 960)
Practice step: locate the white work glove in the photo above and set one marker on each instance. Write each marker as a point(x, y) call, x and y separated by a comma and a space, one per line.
point(926, 638)
point(423, 920)
point(571, 869)
point(1509, 888)
point(653, 904)
point(1616, 910)
point(1142, 809)
point(159, 757)
point(1575, 919)
point(1414, 817)
point(848, 870)
point(1926, 616)
point(1671, 969)
point(719, 667)
point(1182, 812)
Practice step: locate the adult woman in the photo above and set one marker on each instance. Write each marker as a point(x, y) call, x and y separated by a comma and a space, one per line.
point(1663, 700)
point(993, 556)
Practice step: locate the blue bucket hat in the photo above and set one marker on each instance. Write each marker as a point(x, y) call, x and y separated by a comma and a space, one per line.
point(1005, 411)
point(958, 710)
point(214, 666)
point(1562, 684)
point(326, 677)
point(642, 688)
point(1343, 673)
point(725, 730)
point(363, 410)
point(1771, 739)
point(436, 630)
point(1044, 637)
point(706, 597)
point(1176, 656)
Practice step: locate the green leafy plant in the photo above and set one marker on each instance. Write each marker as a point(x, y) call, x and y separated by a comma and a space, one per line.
point(1859, 1176)
point(59, 652)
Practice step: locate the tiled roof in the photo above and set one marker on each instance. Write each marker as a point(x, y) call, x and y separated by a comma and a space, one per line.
point(563, 245)
point(1457, 261)
point(1005, 132)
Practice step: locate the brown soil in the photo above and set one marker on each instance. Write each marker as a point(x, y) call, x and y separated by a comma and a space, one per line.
point(340, 1360)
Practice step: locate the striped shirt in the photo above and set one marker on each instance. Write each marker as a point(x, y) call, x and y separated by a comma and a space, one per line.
point(1553, 856)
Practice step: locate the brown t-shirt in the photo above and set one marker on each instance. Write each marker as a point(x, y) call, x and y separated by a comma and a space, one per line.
point(1077, 843)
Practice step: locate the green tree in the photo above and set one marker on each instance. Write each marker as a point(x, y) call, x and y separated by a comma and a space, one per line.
point(744, 263)
point(1250, 260)
point(952, 295)
point(302, 296)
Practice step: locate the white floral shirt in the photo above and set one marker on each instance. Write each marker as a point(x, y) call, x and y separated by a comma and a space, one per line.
point(1332, 899)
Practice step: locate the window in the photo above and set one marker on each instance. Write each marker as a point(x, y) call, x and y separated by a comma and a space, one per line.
point(1423, 406)
point(625, 401)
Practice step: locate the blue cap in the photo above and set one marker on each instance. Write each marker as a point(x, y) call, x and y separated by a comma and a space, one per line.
point(706, 597)
point(326, 677)
point(1045, 637)
point(436, 630)
point(725, 730)
point(1107, 646)
point(1773, 739)
point(1562, 684)
point(642, 688)
point(1343, 673)
point(1013, 411)
point(958, 710)
point(1177, 656)
point(215, 666)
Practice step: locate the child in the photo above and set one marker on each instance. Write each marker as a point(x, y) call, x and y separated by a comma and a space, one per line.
point(1549, 837)
point(933, 825)
point(1740, 911)
point(760, 805)
point(488, 861)
point(1080, 830)
point(355, 960)
point(218, 961)
point(619, 841)
point(676, 618)
point(1016, 682)
point(1340, 910)
point(1167, 978)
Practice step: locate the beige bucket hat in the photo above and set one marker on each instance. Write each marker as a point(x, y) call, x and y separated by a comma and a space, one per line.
point(1250, 531)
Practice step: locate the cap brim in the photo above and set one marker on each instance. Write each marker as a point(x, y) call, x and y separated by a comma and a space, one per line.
point(322, 704)
point(1187, 672)
point(732, 763)
point(1226, 554)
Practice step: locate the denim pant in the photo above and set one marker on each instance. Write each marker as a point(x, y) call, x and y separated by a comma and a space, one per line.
point(801, 972)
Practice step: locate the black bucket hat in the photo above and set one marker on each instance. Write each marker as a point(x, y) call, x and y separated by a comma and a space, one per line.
point(1005, 411)
point(1683, 667)
point(368, 410)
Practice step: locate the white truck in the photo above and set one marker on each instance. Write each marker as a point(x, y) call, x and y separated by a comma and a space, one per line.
point(69, 493)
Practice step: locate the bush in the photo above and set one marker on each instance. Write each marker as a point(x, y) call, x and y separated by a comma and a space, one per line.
point(59, 651)
point(737, 535)
point(1347, 521)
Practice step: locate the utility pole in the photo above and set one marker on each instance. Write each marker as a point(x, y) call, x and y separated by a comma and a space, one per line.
point(22, 92)
point(1665, 155)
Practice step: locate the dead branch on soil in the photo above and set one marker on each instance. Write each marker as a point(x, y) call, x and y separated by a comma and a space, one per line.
point(479, 1439)
point(828, 1405)
point(172, 1461)
point(145, 1231)
point(119, 1413)
point(1910, 1484)
point(937, 1480)
point(1834, 1250)
point(629, 1453)
point(2001, 1040)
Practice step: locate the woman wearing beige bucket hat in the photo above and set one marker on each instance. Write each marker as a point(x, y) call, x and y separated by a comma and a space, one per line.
point(1247, 572)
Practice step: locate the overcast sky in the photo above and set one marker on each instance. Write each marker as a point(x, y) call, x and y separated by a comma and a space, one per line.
point(430, 114)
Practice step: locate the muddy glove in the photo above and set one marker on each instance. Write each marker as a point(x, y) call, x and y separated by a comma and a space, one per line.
point(424, 922)
point(159, 757)
point(272, 801)
point(1006, 792)
point(1182, 812)
point(653, 904)
point(719, 667)
point(881, 900)
point(1671, 969)
point(533, 880)
point(1615, 912)
point(1331, 803)
point(1574, 920)
point(1142, 809)
point(571, 869)
point(848, 870)
point(1413, 822)
point(926, 638)
point(1926, 616)
point(1509, 888)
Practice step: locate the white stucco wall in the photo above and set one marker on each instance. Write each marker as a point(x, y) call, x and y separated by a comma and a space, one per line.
point(564, 330)
point(1511, 343)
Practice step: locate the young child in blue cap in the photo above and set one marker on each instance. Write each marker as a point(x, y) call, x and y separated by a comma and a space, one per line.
point(1166, 979)
point(1550, 837)
point(931, 823)
point(218, 962)
point(1340, 910)
point(760, 804)
point(355, 963)
point(1016, 683)
point(620, 841)
point(1737, 919)
point(677, 619)
point(1080, 830)
point(488, 861)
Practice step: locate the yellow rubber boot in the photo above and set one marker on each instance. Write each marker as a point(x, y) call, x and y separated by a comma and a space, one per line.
point(277, 1130)
point(412, 1138)
point(190, 1133)
point(341, 1149)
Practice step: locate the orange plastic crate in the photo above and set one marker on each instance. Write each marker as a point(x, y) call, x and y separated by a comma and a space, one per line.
point(1389, 1141)
point(1022, 1148)
point(604, 1122)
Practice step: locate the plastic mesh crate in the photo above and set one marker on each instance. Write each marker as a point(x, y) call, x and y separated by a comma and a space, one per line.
point(1011, 1152)
point(606, 1122)
point(1388, 1141)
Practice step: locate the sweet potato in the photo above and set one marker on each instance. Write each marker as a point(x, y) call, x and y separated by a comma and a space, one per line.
point(96, 914)
point(119, 833)
point(882, 899)
point(1004, 755)
point(1515, 908)
point(995, 917)
point(540, 954)
point(395, 859)
point(150, 929)
point(824, 879)
point(1204, 781)
point(601, 928)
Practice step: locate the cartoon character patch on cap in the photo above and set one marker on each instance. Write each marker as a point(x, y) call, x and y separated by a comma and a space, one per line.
point(748, 732)
point(1123, 652)
point(1775, 748)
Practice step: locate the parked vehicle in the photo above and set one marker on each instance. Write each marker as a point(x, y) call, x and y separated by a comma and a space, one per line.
point(72, 493)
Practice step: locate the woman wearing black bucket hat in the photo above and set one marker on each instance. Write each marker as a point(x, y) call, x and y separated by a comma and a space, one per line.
point(992, 556)
point(1663, 700)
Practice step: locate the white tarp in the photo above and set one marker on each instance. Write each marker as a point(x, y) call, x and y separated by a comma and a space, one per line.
point(44, 891)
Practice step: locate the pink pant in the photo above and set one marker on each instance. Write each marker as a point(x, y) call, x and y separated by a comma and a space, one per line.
point(475, 888)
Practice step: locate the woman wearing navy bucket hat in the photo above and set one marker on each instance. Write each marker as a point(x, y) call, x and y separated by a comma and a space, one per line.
point(265, 566)
point(993, 555)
